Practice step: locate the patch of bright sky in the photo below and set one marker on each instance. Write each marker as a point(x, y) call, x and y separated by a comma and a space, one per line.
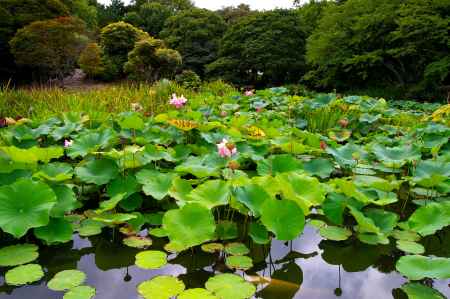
point(254, 4)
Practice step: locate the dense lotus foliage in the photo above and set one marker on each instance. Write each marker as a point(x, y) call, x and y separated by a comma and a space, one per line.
point(215, 171)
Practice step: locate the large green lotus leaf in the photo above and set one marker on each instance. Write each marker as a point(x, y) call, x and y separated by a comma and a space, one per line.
point(335, 233)
point(197, 294)
point(385, 220)
point(211, 194)
point(259, 233)
point(373, 239)
point(66, 280)
point(24, 274)
point(430, 173)
point(18, 254)
point(376, 183)
point(108, 205)
point(65, 130)
point(156, 184)
point(180, 189)
point(91, 142)
point(349, 188)
point(131, 121)
point(416, 290)
point(25, 204)
point(319, 167)
point(227, 230)
point(58, 230)
point(348, 155)
point(410, 247)
point(199, 167)
point(55, 172)
point(132, 203)
point(428, 219)
point(66, 201)
point(127, 158)
point(379, 198)
point(334, 206)
point(80, 292)
point(113, 219)
point(417, 267)
point(284, 218)
point(278, 164)
point(396, 157)
point(253, 197)
point(191, 225)
point(239, 262)
point(123, 184)
point(155, 153)
point(151, 259)
point(161, 287)
point(32, 155)
point(98, 172)
point(89, 227)
point(365, 224)
point(230, 286)
point(305, 190)
point(268, 183)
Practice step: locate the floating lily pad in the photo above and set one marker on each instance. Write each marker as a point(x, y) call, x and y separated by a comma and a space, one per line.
point(410, 247)
point(66, 280)
point(98, 172)
point(417, 267)
point(24, 274)
point(90, 227)
point(236, 249)
point(25, 204)
point(191, 225)
point(158, 232)
point(137, 242)
point(197, 294)
point(18, 254)
point(161, 287)
point(335, 233)
point(81, 292)
point(284, 218)
point(230, 286)
point(212, 247)
point(151, 259)
point(239, 262)
point(419, 291)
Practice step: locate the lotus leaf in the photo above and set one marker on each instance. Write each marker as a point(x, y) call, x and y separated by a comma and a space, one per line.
point(55, 172)
point(32, 155)
point(180, 189)
point(335, 233)
point(91, 142)
point(151, 259)
point(396, 157)
point(428, 219)
point(66, 280)
point(24, 274)
point(230, 286)
point(161, 287)
point(25, 204)
point(319, 167)
point(137, 242)
point(15, 255)
point(239, 262)
point(347, 155)
point(191, 225)
point(236, 249)
point(123, 184)
point(253, 197)
point(334, 207)
point(81, 292)
point(97, 172)
point(417, 267)
point(90, 227)
point(384, 220)
point(131, 120)
point(365, 224)
point(66, 201)
point(373, 239)
point(259, 233)
point(156, 184)
point(197, 294)
point(410, 247)
point(132, 203)
point(212, 247)
point(108, 205)
point(283, 217)
point(430, 173)
point(58, 230)
point(199, 167)
point(211, 194)
point(416, 290)
point(158, 232)
point(111, 219)
point(278, 164)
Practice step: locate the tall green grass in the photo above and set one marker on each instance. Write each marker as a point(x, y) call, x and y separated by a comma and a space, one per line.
point(42, 103)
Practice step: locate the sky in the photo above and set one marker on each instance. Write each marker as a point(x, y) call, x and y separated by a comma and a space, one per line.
point(217, 4)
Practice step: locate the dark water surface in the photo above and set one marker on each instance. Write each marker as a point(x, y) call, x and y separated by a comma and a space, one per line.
point(308, 267)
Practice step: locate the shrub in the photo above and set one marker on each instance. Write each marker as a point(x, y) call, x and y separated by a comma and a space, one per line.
point(90, 60)
point(188, 79)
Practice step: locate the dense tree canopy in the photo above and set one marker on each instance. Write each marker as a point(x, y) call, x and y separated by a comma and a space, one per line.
point(232, 14)
point(265, 48)
point(150, 17)
point(174, 5)
point(195, 34)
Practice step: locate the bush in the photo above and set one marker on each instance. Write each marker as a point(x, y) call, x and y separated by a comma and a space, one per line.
point(90, 60)
point(188, 79)
point(151, 60)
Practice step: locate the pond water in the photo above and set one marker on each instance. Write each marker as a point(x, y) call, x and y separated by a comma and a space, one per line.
point(308, 267)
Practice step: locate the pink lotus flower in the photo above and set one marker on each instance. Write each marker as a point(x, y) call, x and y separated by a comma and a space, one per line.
point(249, 93)
point(223, 113)
point(178, 102)
point(68, 143)
point(259, 109)
point(226, 149)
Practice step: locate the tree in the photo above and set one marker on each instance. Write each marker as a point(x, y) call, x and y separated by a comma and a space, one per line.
point(150, 17)
point(83, 10)
point(232, 14)
point(117, 39)
point(174, 5)
point(267, 48)
point(51, 47)
point(91, 60)
point(150, 60)
point(195, 34)
point(114, 12)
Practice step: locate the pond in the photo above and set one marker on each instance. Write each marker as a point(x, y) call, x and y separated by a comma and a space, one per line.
point(308, 267)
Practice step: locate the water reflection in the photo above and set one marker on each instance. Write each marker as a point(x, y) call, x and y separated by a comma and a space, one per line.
point(307, 267)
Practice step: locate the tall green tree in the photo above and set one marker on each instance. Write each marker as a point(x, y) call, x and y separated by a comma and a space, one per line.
point(265, 48)
point(195, 34)
point(174, 5)
point(84, 10)
point(150, 17)
point(232, 14)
